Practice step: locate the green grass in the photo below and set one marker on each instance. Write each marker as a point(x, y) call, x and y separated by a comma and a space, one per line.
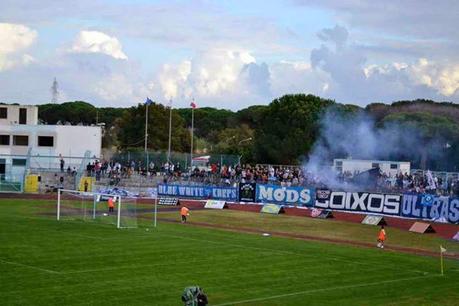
point(45, 262)
point(329, 228)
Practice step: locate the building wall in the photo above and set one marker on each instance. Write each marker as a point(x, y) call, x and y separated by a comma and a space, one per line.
point(354, 166)
point(13, 114)
point(75, 140)
point(47, 142)
point(68, 140)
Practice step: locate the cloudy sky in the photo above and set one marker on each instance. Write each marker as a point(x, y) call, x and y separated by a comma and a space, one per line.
point(228, 54)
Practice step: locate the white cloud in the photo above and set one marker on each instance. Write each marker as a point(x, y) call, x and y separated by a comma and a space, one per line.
point(173, 78)
point(209, 74)
point(353, 80)
point(295, 77)
point(98, 42)
point(443, 78)
point(113, 87)
point(15, 38)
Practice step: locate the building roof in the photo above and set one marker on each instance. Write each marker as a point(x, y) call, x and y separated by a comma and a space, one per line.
point(372, 161)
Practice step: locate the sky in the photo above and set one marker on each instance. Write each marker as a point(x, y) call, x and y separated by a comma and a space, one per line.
point(228, 54)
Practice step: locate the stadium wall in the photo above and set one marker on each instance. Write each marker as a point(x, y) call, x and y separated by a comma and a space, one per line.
point(408, 206)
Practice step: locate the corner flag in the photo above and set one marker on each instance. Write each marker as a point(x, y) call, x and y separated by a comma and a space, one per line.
point(442, 250)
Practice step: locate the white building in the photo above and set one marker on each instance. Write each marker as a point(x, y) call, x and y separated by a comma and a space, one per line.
point(21, 133)
point(355, 166)
point(18, 114)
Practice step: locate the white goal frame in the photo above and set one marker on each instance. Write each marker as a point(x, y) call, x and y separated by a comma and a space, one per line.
point(94, 195)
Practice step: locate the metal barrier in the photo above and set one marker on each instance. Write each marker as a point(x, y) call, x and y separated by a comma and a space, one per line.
point(159, 158)
point(11, 183)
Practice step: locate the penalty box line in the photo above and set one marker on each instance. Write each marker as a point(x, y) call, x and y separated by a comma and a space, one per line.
point(29, 266)
point(272, 297)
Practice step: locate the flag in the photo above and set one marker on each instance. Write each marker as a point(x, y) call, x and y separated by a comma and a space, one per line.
point(430, 181)
point(192, 104)
point(148, 101)
point(442, 250)
point(427, 200)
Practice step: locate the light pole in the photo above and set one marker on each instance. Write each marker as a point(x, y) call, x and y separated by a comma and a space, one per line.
point(239, 143)
point(147, 103)
point(193, 106)
point(244, 140)
point(226, 141)
point(170, 134)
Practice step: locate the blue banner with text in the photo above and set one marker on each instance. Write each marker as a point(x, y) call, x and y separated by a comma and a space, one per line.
point(428, 207)
point(299, 196)
point(203, 192)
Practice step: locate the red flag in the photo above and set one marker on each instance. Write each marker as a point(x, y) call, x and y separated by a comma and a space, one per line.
point(193, 105)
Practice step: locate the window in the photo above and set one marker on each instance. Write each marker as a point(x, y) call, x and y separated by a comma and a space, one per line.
point(374, 165)
point(19, 162)
point(393, 166)
point(4, 140)
point(45, 141)
point(23, 116)
point(339, 163)
point(3, 112)
point(20, 140)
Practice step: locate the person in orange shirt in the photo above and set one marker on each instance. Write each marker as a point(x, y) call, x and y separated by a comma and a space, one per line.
point(111, 205)
point(381, 237)
point(184, 212)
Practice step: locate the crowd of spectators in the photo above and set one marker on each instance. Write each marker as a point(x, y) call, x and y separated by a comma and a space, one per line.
point(298, 176)
point(216, 174)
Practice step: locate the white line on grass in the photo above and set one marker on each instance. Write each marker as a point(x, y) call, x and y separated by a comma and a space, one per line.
point(87, 236)
point(284, 252)
point(29, 266)
point(272, 297)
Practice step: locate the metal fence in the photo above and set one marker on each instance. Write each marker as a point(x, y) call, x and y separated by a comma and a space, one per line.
point(159, 158)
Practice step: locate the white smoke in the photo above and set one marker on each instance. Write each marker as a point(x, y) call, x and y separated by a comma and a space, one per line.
point(357, 136)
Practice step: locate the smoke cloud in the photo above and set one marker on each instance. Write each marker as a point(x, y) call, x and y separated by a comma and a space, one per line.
point(357, 136)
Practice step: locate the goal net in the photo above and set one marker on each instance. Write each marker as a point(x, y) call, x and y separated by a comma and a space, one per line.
point(97, 207)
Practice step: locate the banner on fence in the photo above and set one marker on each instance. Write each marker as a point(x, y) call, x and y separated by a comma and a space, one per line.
point(206, 192)
point(168, 201)
point(271, 209)
point(215, 204)
point(365, 202)
point(437, 208)
point(300, 196)
point(323, 194)
point(247, 192)
point(315, 212)
point(374, 220)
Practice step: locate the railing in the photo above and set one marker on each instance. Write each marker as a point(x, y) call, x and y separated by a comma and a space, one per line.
point(82, 168)
point(10, 183)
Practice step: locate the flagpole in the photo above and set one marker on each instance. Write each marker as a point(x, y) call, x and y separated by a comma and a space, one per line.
point(146, 127)
point(170, 133)
point(146, 132)
point(192, 134)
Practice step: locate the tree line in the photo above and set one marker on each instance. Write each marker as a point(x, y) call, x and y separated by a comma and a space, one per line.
point(283, 132)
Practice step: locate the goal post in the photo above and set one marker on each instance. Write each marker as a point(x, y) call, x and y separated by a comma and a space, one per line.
point(96, 207)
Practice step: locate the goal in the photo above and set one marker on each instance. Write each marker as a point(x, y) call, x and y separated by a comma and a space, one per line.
point(94, 207)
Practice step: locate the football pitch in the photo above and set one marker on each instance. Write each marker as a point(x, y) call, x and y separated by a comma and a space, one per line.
point(45, 262)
